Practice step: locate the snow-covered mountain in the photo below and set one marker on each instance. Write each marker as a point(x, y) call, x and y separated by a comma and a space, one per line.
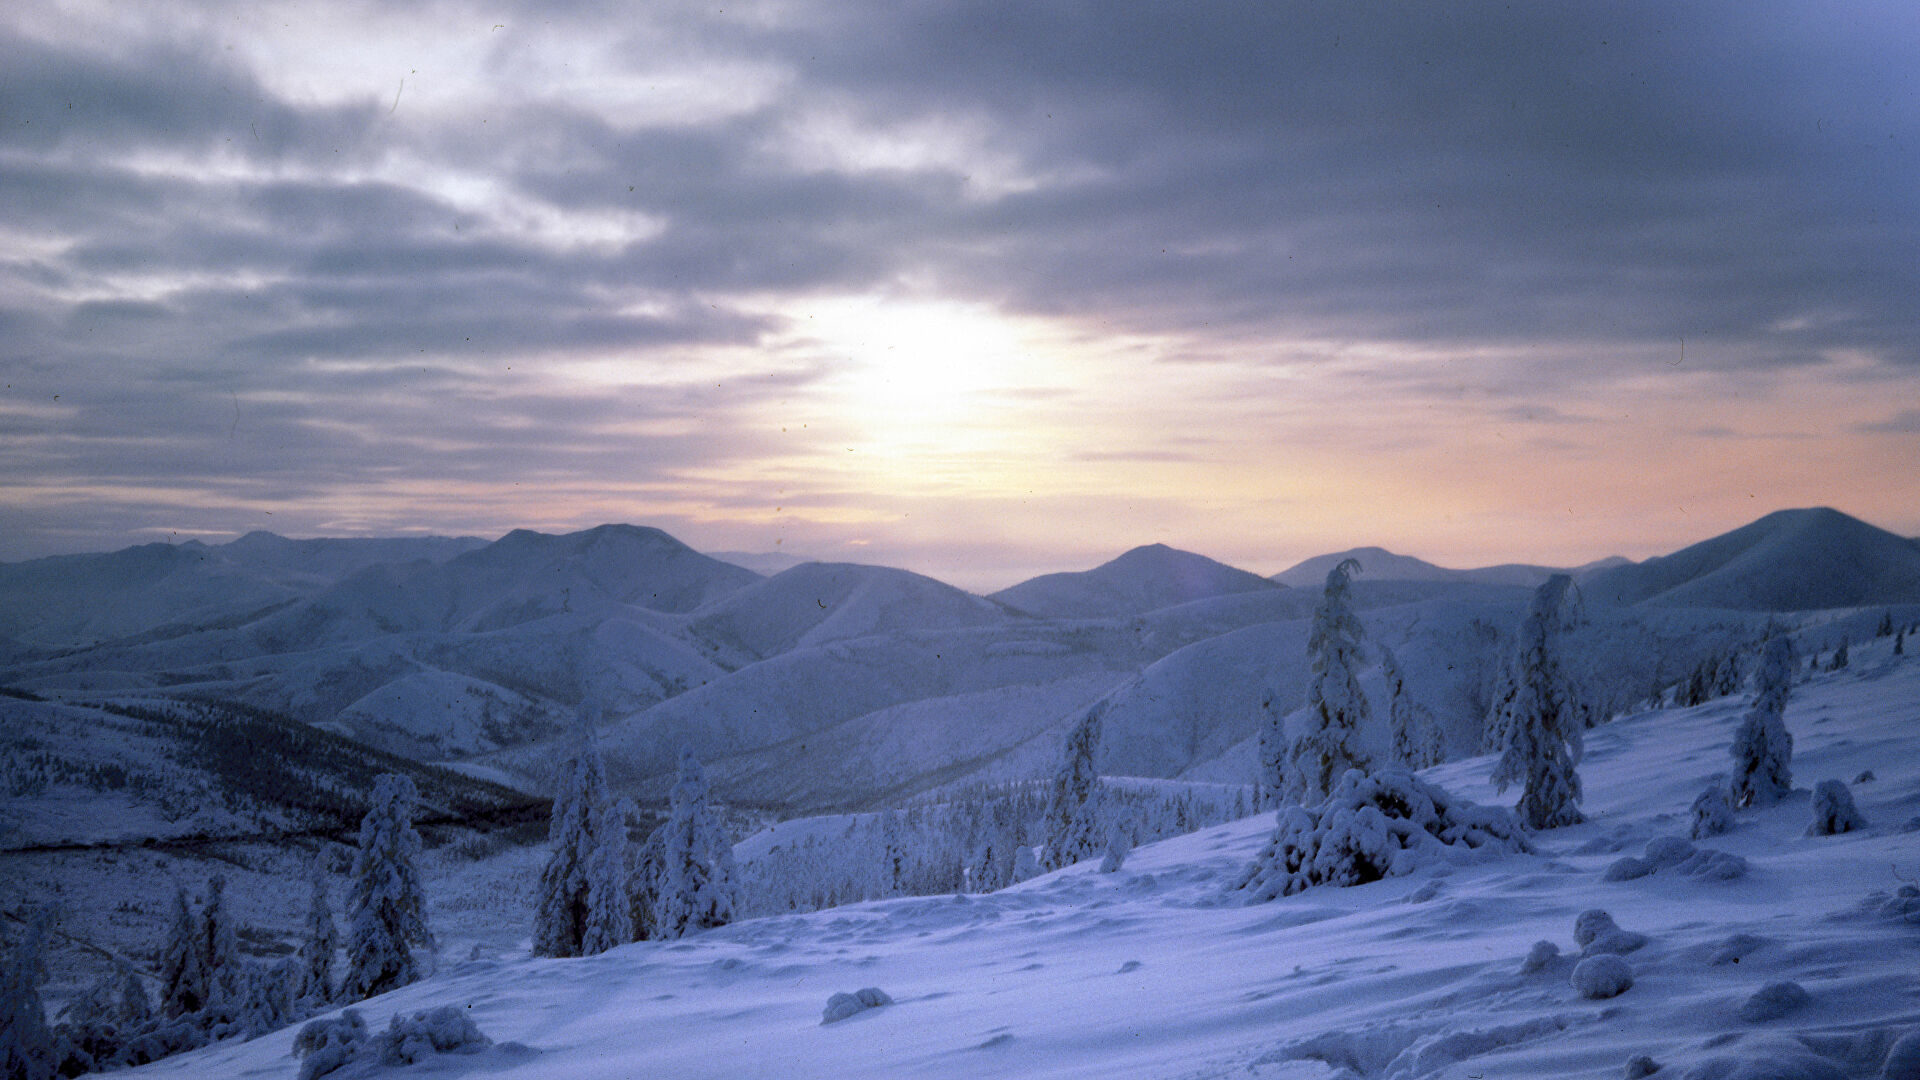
point(814, 603)
point(1379, 564)
point(1141, 580)
point(1792, 560)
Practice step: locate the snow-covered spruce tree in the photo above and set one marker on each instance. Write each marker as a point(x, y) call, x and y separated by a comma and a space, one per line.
point(582, 906)
point(220, 945)
point(28, 1048)
point(1076, 825)
point(314, 975)
point(643, 879)
point(1539, 719)
point(1416, 735)
point(1270, 785)
point(697, 874)
point(1839, 661)
point(133, 1008)
point(1373, 826)
point(89, 1034)
point(386, 908)
point(1763, 748)
point(1324, 748)
point(183, 973)
point(1119, 846)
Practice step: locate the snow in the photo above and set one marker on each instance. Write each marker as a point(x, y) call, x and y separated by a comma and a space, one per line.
point(1153, 971)
point(1139, 581)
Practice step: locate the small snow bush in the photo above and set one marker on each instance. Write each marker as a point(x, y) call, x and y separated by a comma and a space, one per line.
point(1603, 976)
point(328, 1044)
point(1597, 935)
point(1641, 1066)
point(1670, 853)
point(1373, 826)
point(841, 1006)
point(1833, 810)
point(419, 1035)
point(1711, 813)
point(1542, 956)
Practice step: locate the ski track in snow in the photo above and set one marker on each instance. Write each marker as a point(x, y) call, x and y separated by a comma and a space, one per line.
point(1157, 972)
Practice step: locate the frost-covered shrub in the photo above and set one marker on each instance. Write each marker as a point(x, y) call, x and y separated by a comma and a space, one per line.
point(1542, 956)
point(1763, 748)
point(1602, 976)
point(329, 1043)
point(1773, 1001)
point(1833, 810)
point(1640, 1066)
point(1386, 824)
point(1711, 813)
point(419, 1035)
point(841, 1006)
point(1597, 934)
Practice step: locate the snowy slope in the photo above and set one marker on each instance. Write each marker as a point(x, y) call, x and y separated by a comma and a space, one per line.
point(1791, 560)
point(1379, 564)
point(1157, 971)
point(1139, 581)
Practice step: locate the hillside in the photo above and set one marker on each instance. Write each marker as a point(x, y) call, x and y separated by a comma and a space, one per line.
point(1791, 560)
point(814, 603)
point(1160, 970)
point(1139, 581)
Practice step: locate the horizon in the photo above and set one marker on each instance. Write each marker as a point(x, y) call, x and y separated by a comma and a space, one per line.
point(980, 292)
point(984, 587)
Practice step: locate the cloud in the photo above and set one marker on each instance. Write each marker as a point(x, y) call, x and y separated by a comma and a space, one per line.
point(1906, 422)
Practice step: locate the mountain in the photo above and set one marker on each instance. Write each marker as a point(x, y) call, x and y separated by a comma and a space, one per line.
point(1379, 564)
point(1790, 560)
point(766, 563)
point(815, 603)
point(1141, 580)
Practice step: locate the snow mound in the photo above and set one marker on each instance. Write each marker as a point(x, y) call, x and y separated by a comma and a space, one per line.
point(1773, 1001)
point(1833, 810)
point(1674, 854)
point(1603, 976)
point(1542, 956)
point(339, 1045)
point(841, 1006)
point(1711, 813)
point(1382, 825)
point(1597, 935)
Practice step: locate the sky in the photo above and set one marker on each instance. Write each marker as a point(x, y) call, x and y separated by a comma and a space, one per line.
point(983, 290)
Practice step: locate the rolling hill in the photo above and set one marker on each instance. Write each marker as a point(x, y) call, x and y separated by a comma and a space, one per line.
point(1141, 580)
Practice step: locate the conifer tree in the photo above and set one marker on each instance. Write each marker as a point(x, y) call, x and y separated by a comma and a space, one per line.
point(1839, 662)
point(220, 945)
point(1270, 784)
point(314, 976)
point(1076, 827)
point(1540, 719)
point(1325, 748)
point(134, 1008)
point(183, 973)
point(1416, 735)
point(386, 908)
point(583, 897)
point(698, 879)
point(28, 1048)
point(1763, 748)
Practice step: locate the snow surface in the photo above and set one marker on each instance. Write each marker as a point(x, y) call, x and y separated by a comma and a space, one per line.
point(1141, 580)
point(1156, 972)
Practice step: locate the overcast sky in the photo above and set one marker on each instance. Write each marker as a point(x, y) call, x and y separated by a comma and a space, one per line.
point(980, 289)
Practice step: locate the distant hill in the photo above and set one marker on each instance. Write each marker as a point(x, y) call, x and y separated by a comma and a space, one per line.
point(1379, 564)
point(1791, 560)
point(1142, 580)
point(815, 603)
point(767, 563)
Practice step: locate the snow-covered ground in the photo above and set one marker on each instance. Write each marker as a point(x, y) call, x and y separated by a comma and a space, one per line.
point(1159, 971)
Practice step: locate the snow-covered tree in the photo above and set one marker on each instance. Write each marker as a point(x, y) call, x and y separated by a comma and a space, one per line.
point(1416, 734)
point(1270, 784)
point(698, 880)
point(133, 1008)
point(1839, 661)
point(1118, 848)
point(89, 1032)
point(1372, 826)
point(1325, 746)
point(220, 945)
point(386, 907)
point(1833, 810)
point(313, 983)
point(583, 906)
point(643, 878)
point(1763, 748)
point(1711, 813)
point(28, 1048)
point(183, 972)
point(1076, 827)
point(1539, 718)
